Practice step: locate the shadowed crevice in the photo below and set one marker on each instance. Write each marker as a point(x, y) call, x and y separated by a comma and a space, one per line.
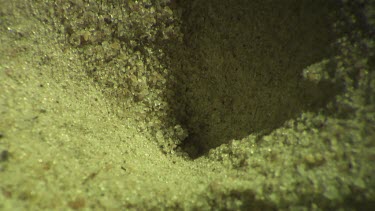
point(239, 68)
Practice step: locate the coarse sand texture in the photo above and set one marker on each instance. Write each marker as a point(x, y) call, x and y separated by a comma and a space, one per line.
point(187, 105)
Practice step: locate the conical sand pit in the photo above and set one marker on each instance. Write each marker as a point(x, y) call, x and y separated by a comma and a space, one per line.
point(186, 105)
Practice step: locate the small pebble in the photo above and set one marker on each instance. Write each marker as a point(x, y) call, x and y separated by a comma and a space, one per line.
point(4, 155)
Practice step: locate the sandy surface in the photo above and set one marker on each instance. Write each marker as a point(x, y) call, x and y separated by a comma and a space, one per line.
point(63, 144)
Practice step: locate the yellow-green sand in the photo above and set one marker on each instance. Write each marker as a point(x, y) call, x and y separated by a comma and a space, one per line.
point(187, 105)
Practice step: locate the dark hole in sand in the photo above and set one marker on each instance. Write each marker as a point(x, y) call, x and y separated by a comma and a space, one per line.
point(239, 69)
